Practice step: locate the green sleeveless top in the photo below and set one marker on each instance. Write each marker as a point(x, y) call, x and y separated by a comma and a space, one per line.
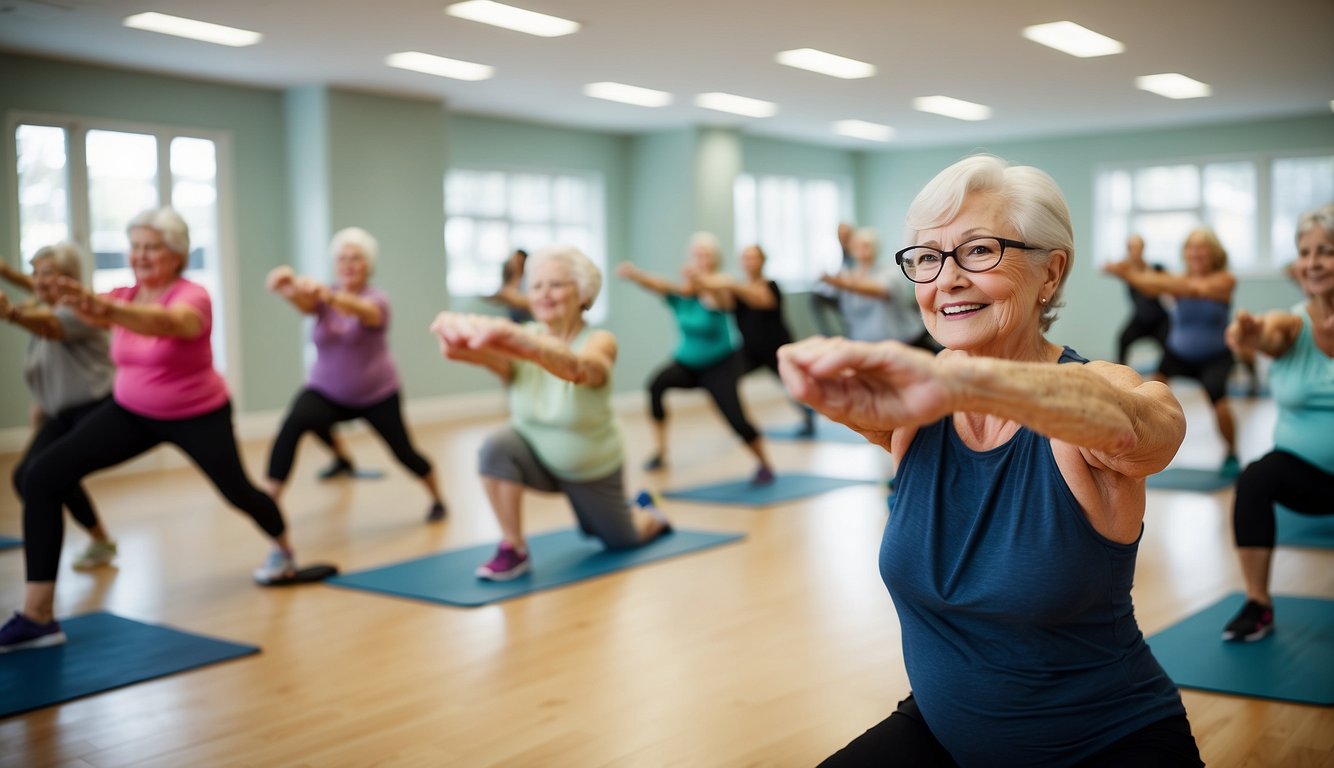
point(570, 427)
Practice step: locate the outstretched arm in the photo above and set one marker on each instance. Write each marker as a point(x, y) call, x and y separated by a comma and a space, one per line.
point(40, 321)
point(15, 277)
point(178, 321)
point(300, 292)
point(655, 283)
point(754, 295)
point(1217, 286)
point(1273, 333)
point(497, 341)
point(862, 285)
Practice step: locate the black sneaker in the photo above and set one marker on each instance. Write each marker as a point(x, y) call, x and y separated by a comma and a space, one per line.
point(340, 467)
point(1253, 622)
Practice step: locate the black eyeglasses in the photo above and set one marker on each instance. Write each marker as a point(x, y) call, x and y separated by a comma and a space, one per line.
point(922, 263)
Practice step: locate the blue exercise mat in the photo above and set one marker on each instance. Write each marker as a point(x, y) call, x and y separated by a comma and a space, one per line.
point(560, 557)
point(1312, 531)
point(826, 431)
point(786, 487)
point(1294, 663)
point(1187, 479)
point(8, 543)
point(104, 652)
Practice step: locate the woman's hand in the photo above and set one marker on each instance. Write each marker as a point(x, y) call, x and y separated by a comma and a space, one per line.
point(1244, 333)
point(871, 387)
point(279, 279)
point(5, 307)
point(461, 333)
point(626, 270)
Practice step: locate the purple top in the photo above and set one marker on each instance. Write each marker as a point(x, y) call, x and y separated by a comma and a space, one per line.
point(352, 362)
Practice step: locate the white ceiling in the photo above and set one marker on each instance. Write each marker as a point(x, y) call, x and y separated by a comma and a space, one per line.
point(1262, 58)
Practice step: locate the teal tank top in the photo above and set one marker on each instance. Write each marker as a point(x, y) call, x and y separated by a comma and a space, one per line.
point(1303, 384)
point(706, 335)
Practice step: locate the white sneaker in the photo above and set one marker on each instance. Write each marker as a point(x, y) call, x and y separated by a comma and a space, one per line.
point(96, 555)
point(277, 566)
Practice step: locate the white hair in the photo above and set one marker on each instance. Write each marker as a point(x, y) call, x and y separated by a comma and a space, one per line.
point(1322, 217)
point(67, 256)
point(169, 224)
point(1034, 206)
point(708, 242)
point(587, 276)
point(869, 235)
point(360, 239)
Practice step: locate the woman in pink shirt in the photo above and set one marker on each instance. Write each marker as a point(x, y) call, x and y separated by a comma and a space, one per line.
point(165, 391)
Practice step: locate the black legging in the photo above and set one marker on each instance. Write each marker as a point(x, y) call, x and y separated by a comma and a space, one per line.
point(904, 739)
point(52, 429)
point(721, 382)
point(110, 435)
point(1141, 327)
point(313, 412)
point(1282, 478)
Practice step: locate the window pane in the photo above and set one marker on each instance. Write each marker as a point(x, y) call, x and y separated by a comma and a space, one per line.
point(1300, 184)
point(122, 181)
point(1229, 200)
point(530, 198)
point(529, 237)
point(572, 199)
point(194, 194)
point(1164, 234)
point(43, 188)
point(1167, 187)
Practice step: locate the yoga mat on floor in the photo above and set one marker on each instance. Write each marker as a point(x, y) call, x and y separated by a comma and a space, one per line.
point(825, 432)
point(10, 543)
point(104, 652)
point(1187, 479)
point(786, 487)
point(1312, 531)
point(559, 558)
point(1294, 663)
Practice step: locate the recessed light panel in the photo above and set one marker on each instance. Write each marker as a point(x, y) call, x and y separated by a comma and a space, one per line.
point(192, 29)
point(510, 17)
point(1173, 86)
point(1069, 37)
point(826, 63)
point(439, 66)
point(860, 129)
point(628, 94)
point(950, 107)
point(737, 105)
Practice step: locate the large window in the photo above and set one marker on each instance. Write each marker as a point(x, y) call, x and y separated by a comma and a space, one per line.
point(1251, 202)
point(83, 180)
point(491, 213)
point(795, 220)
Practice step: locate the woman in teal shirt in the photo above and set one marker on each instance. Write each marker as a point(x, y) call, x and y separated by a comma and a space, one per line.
point(563, 436)
point(704, 357)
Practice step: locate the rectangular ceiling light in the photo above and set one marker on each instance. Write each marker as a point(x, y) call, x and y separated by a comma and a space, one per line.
point(826, 63)
point(1173, 86)
point(1069, 37)
point(628, 94)
point(737, 105)
point(509, 17)
point(860, 129)
point(194, 30)
point(955, 108)
point(439, 65)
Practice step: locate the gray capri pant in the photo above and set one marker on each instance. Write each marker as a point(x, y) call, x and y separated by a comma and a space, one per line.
point(600, 505)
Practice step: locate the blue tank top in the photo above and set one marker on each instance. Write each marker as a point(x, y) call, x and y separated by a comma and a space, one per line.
point(1197, 329)
point(1019, 636)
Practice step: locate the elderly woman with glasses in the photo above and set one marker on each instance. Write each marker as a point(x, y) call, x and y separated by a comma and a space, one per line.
point(1010, 547)
point(1299, 472)
point(563, 436)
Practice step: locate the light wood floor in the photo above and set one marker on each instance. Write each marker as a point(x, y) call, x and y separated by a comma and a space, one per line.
point(773, 652)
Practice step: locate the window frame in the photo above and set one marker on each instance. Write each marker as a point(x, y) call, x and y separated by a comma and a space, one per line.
point(76, 129)
point(847, 205)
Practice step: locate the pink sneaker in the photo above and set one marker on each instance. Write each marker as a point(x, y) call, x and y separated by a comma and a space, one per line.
point(505, 565)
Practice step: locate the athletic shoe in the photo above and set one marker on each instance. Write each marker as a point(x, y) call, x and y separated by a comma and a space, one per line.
point(96, 555)
point(648, 501)
point(654, 463)
point(339, 468)
point(763, 476)
point(505, 565)
point(21, 633)
point(1231, 468)
point(277, 566)
point(436, 513)
point(1253, 622)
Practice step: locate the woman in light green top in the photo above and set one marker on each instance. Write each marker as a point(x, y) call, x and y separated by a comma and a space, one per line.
point(563, 436)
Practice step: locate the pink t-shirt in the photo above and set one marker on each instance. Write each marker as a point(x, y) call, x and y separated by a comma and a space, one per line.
point(167, 378)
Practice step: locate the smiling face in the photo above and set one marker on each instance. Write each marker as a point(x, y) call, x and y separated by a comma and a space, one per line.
point(752, 261)
point(351, 269)
point(994, 313)
point(1314, 267)
point(1198, 254)
point(153, 263)
point(43, 271)
point(553, 293)
point(863, 251)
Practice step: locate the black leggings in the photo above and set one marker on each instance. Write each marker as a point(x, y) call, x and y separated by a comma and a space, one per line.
point(110, 435)
point(1141, 327)
point(721, 382)
point(904, 739)
point(313, 412)
point(52, 429)
point(1282, 478)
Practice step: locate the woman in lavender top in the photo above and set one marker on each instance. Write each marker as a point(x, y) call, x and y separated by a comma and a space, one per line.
point(353, 376)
